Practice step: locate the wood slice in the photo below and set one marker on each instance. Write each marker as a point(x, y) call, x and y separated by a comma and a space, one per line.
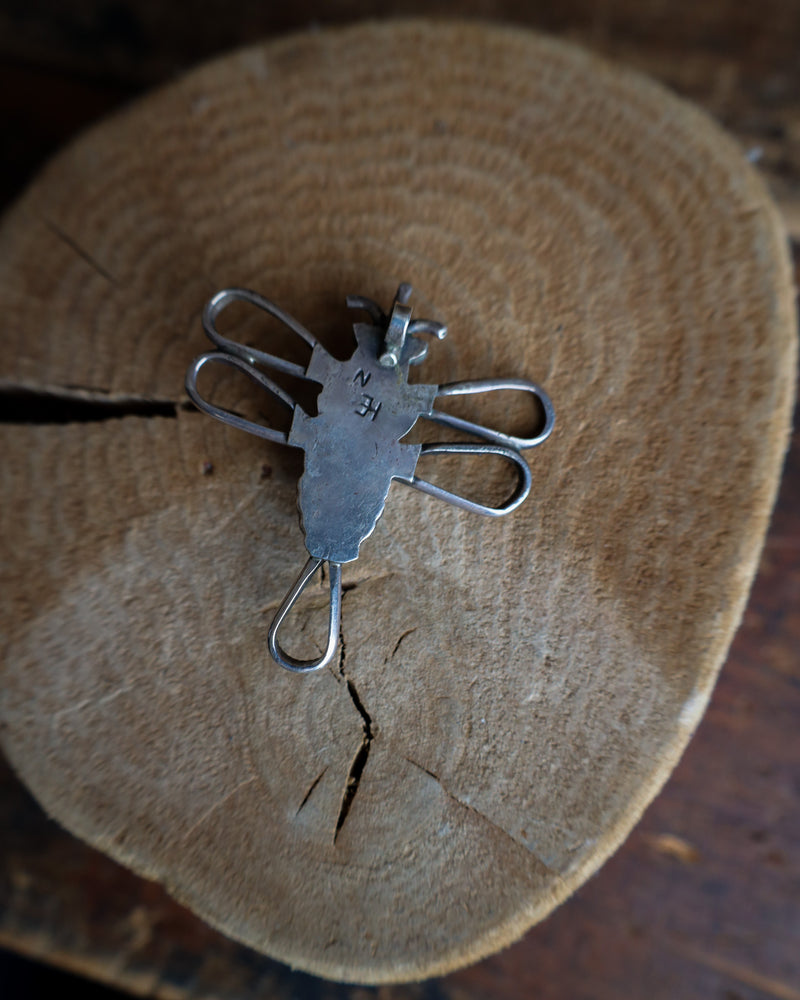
point(509, 694)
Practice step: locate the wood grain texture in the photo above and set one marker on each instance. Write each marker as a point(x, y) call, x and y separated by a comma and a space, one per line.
point(569, 221)
point(702, 901)
point(61, 67)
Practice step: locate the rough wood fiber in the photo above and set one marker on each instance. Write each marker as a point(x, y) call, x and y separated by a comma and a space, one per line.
point(514, 693)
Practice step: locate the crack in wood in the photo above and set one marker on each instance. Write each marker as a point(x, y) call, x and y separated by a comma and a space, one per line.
point(311, 788)
point(362, 754)
point(39, 405)
point(397, 645)
point(216, 806)
point(68, 240)
point(486, 819)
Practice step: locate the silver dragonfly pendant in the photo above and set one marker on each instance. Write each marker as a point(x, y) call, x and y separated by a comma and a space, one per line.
point(353, 446)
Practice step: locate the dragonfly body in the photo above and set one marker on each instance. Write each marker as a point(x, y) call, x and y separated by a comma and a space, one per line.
point(352, 447)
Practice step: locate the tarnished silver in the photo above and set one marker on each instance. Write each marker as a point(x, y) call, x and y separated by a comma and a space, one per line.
point(334, 617)
point(353, 446)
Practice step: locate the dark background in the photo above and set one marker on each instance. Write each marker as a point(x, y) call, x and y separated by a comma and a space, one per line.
point(703, 901)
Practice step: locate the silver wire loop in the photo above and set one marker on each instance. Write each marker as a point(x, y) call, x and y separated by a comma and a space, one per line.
point(226, 416)
point(334, 618)
point(228, 295)
point(488, 433)
point(462, 448)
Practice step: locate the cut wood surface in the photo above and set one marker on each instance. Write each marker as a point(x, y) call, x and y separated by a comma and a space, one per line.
point(701, 902)
point(509, 696)
point(62, 67)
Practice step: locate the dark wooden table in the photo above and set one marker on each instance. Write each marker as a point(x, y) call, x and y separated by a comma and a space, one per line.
point(703, 901)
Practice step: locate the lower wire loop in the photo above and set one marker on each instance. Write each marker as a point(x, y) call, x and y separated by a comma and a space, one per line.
point(334, 618)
